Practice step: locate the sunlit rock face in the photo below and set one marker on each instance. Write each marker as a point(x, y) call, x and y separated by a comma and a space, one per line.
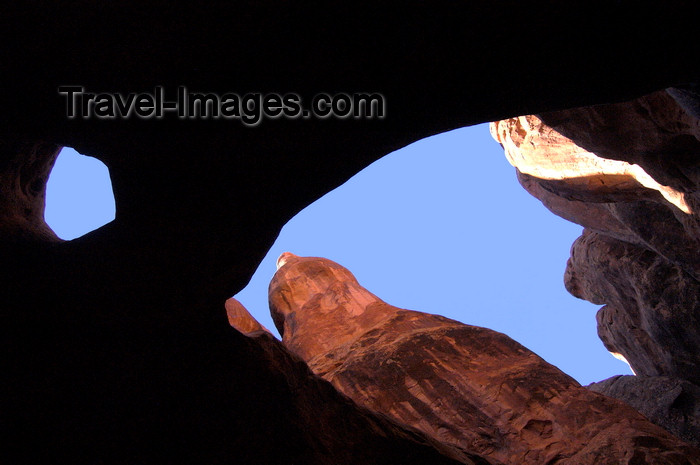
point(653, 131)
point(315, 407)
point(641, 253)
point(657, 134)
point(630, 174)
point(539, 151)
point(240, 318)
point(466, 386)
point(329, 289)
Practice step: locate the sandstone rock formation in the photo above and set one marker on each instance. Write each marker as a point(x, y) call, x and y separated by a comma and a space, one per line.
point(331, 411)
point(115, 345)
point(469, 387)
point(319, 415)
point(670, 402)
point(630, 174)
point(240, 318)
point(24, 171)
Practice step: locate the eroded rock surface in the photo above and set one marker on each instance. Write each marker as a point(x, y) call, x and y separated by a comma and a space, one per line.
point(641, 253)
point(630, 174)
point(670, 402)
point(316, 423)
point(115, 345)
point(24, 169)
point(240, 318)
point(467, 386)
point(650, 313)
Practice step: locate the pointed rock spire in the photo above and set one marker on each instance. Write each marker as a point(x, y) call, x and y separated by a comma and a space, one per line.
point(466, 386)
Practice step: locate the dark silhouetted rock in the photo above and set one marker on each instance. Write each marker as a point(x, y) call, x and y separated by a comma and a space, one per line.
point(470, 387)
point(688, 97)
point(116, 347)
point(24, 169)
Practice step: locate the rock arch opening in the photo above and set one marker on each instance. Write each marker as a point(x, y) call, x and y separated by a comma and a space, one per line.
point(443, 226)
point(79, 196)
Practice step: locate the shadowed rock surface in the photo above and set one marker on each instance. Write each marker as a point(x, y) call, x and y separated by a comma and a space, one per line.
point(466, 386)
point(670, 402)
point(116, 346)
point(319, 415)
point(651, 306)
point(24, 170)
point(630, 174)
point(640, 254)
point(329, 413)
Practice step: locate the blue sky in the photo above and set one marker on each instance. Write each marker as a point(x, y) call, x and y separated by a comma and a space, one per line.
point(441, 226)
point(79, 195)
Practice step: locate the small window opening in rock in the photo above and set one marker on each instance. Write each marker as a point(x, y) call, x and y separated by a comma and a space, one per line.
point(79, 196)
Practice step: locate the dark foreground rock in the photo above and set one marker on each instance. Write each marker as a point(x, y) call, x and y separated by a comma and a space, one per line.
point(116, 348)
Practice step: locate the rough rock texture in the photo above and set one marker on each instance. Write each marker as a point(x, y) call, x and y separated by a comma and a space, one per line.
point(652, 131)
point(319, 415)
point(466, 386)
point(329, 414)
point(115, 345)
point(24, 171)
point(240, 318)
point(651, 313)
point(659, 136)
point(630, 173)
point(326, 410)
point(670, 402)
point(641, 253)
